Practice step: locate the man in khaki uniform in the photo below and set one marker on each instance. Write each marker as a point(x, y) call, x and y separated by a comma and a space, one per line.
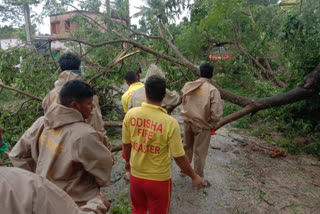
point(24, 192)
point(70, 67)
point(171, 100)
point(202, 109)
point(61, 147)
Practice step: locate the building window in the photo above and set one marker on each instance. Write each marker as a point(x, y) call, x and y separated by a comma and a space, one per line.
point(55, 27)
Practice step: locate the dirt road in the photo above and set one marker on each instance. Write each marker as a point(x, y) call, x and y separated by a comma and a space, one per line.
point(242, 181)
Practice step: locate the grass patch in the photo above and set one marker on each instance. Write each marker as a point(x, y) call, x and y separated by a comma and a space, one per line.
point(121, 207)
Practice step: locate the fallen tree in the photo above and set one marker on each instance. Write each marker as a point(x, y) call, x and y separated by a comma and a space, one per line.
point(309, 87)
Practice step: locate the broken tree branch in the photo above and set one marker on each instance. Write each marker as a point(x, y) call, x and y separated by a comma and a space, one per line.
point(116, 60)
point(190, 66)
point(20, 91)
point(141, 34)
point(265, 72)
point(20, 107)
point(309, 88)
point(173, 47)
point(113, 123)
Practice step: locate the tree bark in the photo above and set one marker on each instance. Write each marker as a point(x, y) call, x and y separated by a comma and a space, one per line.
point(113, 123)
point(27, 21)
point(108, 8)
point(308, 89)
point(20, 91)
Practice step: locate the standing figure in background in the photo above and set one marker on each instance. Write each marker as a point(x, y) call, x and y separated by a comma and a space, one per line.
point(202, 109)
point(133, 81)
point(70, 70)
point(170, 101)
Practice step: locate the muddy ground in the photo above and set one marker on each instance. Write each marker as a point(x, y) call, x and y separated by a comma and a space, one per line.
point(242, 180)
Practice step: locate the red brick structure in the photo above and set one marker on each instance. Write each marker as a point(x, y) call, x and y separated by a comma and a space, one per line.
point(61, 24)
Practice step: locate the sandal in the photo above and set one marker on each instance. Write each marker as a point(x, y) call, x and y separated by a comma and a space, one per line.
point(205, 183)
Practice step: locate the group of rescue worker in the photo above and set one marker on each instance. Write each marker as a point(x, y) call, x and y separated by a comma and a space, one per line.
point(66, 155)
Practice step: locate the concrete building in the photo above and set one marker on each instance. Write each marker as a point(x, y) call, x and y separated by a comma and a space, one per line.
point(6, 43)
point(61, 24)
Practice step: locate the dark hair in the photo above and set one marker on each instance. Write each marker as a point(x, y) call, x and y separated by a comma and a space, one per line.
point(131, 76)
point(69, 61)
point(75, 90)
point(155, 88)
point(206, 70)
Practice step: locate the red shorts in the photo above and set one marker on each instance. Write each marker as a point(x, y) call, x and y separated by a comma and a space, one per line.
point(148, 195)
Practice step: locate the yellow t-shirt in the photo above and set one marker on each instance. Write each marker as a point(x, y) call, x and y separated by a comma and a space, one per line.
point(126, 97)
point(154, 135)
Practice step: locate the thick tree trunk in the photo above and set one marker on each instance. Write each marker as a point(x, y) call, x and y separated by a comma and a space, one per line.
point(310, 88)
point(27, 21)
point(108, 8)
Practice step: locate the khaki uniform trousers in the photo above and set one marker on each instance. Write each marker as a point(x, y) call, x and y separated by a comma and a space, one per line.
point(197, 141)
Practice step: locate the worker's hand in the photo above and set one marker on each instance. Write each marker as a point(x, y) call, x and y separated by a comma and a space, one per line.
point(112, 157)
point(104, 199)
point(197, 181)
point(127, 166)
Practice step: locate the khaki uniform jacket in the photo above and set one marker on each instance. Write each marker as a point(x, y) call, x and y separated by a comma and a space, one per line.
point(23, 192)
point(171, 99)
point(66, 151)
point(95, 119)
point(202, 104)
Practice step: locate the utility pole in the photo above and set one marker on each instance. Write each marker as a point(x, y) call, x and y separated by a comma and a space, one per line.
point(108, 8)
point(127, 6)
point(27, 20)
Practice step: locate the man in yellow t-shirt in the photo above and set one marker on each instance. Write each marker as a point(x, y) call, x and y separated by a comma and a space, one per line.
point(132, 80)
point(150, 136)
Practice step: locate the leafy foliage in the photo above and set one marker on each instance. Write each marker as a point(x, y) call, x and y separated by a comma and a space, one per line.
point(122, 207)
point(7, 31)
point(34, 75)
point(92, 5)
